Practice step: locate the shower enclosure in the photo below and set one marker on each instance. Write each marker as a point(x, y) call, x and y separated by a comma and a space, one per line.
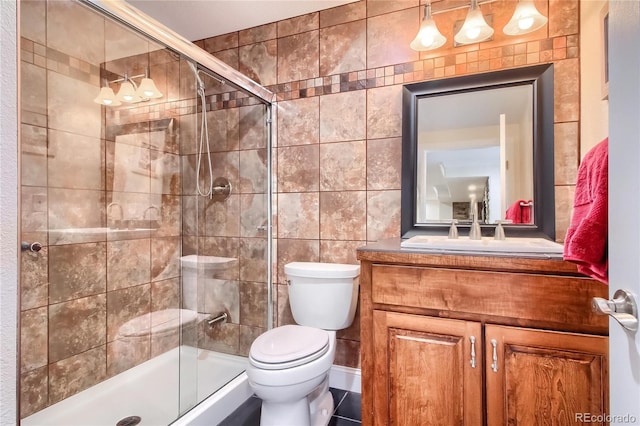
point(139, 297)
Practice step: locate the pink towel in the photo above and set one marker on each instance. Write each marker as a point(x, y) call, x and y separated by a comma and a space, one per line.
point(519, 212)
point(586, 240)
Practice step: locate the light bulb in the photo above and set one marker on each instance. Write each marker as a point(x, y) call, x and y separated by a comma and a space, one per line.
point(127, 93)
point(525, 23)
point(106, 97)
point(428, 37)
point(474, 29)
point(473, 32)
point(526, 18)
point(427, 40)
point(148, 89)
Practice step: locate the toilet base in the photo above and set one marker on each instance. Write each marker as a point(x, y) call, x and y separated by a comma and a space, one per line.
point(313, 410)
point(321, 407)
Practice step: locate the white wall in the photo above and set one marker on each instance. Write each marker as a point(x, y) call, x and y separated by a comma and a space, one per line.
point(8, 213)
point(594, 112)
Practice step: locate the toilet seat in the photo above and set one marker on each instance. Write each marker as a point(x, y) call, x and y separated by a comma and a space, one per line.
point(288, 346)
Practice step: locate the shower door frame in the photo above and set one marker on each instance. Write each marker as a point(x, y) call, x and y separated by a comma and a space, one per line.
point(128, 16)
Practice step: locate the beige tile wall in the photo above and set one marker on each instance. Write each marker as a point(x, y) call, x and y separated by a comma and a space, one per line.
point(338, 75)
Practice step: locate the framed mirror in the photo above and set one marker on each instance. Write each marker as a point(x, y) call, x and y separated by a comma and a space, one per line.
point(479, 147)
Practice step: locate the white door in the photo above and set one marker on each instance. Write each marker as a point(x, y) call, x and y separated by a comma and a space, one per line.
point(624, 201)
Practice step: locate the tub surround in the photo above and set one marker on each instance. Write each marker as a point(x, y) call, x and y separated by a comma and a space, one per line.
point(480, 337)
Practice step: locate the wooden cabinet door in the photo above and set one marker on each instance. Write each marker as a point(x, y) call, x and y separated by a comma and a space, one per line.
point(423, 371)
point(536, 377)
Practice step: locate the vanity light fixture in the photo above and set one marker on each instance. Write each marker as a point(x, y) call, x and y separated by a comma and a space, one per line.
point(107, 97)
point(129, 91)
point(475, 29)
point(428, 37)
point(525, 19)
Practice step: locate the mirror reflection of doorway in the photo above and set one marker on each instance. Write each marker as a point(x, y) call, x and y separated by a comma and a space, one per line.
point(483, 134)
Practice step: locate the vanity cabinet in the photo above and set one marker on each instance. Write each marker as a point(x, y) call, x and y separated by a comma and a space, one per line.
point(423, 371)
point(537, 377)
point(473, 340)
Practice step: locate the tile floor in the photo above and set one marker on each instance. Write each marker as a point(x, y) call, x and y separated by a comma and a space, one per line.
point(347, 412)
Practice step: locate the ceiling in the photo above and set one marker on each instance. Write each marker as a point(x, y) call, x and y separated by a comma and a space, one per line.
point(199, 19)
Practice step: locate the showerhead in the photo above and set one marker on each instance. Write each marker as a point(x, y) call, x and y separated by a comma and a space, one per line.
point(199, 81)
point(196, 72)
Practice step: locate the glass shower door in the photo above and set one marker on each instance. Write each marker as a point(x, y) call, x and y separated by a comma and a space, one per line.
point(117, 306)
point(101, 192)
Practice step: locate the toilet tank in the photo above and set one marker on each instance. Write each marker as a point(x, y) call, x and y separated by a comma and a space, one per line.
point(323, 295)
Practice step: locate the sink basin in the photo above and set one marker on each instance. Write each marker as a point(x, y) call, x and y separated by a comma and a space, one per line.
point(442, 243)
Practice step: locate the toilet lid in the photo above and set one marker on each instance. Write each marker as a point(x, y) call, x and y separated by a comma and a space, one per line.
point(288, 346)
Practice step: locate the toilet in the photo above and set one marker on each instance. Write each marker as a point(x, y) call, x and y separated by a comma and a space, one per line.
point(166, 328)
point(289, 365)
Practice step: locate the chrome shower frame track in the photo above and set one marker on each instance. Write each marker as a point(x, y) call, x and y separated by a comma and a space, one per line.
point(143, 23)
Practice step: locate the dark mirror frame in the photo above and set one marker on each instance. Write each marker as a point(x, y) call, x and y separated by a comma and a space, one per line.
point(541, 77)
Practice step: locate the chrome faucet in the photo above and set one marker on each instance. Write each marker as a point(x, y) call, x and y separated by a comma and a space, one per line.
point(114, 204)
point(453, 231)
point(114, 223)
point(475, 233)
point(151, 222)
point(144, 214)
point(499, 235)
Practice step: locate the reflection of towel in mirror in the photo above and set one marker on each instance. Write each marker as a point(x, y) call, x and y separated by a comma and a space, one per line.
point(519, 212)
point(586, 240)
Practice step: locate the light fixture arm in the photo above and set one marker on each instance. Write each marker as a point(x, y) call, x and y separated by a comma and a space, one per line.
point(128, 78)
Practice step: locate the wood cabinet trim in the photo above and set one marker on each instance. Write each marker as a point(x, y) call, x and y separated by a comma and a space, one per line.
point(392, 254)
point(529, 298)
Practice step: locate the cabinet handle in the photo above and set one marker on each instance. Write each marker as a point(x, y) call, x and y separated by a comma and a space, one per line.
point(473, 351)
point(494, 364)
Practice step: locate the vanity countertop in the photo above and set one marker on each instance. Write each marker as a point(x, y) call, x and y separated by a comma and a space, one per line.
point(389, 251)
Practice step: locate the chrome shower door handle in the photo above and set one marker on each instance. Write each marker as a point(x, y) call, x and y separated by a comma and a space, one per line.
point(623, 308)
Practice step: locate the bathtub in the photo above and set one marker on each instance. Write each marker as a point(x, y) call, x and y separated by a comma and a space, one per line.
point(152, 391)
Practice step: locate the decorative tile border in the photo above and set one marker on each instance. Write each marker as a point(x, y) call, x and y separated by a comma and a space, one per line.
point(53, 60)
point(529, 53)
